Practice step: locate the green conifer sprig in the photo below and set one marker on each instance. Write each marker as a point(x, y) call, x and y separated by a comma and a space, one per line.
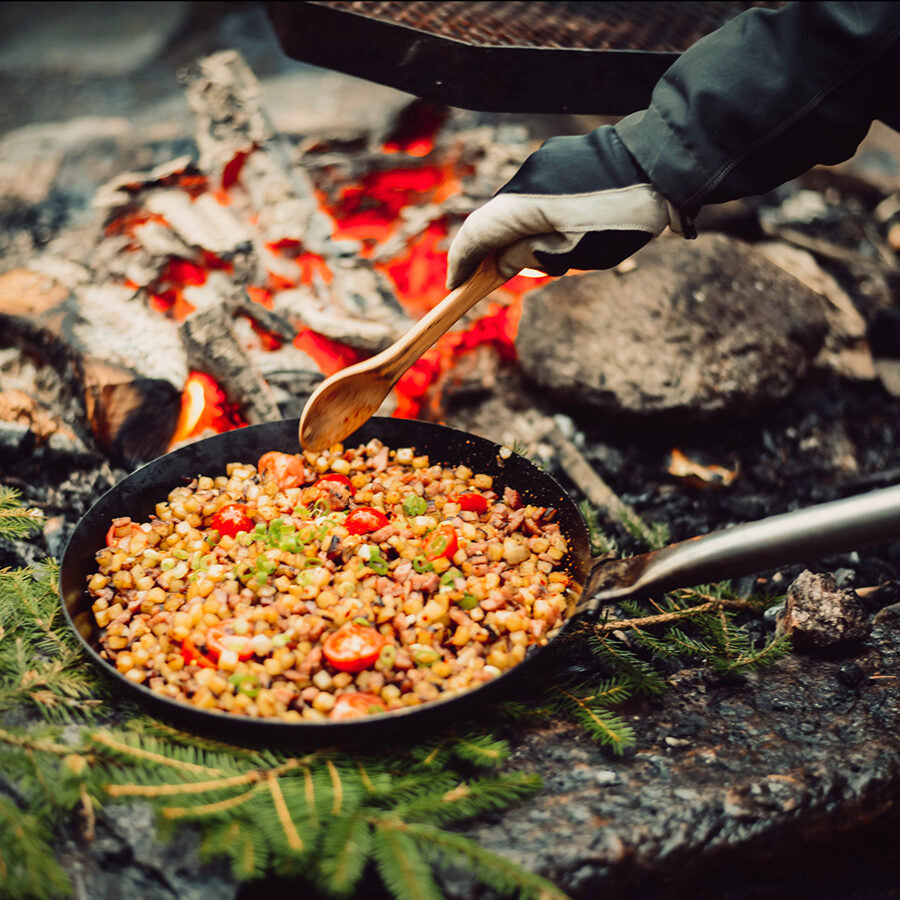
point(601, 543)
point(495, 871)
point(594, 710)
point(17, 521)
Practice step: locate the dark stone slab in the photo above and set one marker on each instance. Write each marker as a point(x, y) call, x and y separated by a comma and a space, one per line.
point(784, 783)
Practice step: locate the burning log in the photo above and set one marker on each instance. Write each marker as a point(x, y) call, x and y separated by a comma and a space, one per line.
point(129, 366)
point(212, 346)
point(238, 143)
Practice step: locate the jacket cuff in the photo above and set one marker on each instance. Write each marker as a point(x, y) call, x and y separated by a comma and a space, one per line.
point(671, 167)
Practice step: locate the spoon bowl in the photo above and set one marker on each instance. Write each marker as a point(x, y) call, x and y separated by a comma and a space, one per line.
point(350, 397)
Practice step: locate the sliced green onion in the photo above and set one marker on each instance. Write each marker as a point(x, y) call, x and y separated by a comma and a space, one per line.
point(212, 537)
point(421, 565)
point(167, 564)
point(246, 684)
point(415, 506)
point(425, 656)
point(467, 601)
point(376, 562)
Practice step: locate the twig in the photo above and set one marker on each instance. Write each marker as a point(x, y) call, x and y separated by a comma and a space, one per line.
point(829, 250)
point(674, 616)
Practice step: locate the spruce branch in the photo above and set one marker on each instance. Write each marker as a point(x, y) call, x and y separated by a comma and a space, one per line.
point(601, 543)
point(653, 536)
point(495, 871)
point(17, 521)
point(346, 848)
point(641, 674)
point(466, 799)
point(400, 863)
point(607, 727)
point(483, 750)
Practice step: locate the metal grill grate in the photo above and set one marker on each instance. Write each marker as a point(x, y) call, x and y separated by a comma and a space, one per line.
point(664, 26)
point(537, 57)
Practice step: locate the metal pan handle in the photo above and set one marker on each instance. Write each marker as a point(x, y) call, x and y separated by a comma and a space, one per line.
point(806, 534)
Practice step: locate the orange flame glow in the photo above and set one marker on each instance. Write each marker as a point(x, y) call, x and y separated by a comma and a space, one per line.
point(419, 275)
point(330, 356)
point(496, 329)
point(204, 407)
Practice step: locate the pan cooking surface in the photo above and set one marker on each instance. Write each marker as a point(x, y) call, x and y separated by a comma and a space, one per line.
point(138, 494)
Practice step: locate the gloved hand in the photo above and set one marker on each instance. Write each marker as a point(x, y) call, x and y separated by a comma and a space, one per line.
point(577, 202)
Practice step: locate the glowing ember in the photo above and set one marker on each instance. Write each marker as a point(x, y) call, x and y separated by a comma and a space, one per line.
point(684, 468)
point(370, 211)
point(496, 329)
point(330, 356)
point(415, 130)
point(419, 276)
point(204, 408)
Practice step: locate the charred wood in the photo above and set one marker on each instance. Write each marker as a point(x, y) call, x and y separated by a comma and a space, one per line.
point(212, 346)
point(127, 364)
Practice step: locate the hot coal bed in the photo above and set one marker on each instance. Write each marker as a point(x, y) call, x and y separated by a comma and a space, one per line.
point(699, 385)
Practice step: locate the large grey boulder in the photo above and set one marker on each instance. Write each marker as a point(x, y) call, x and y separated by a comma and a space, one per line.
point(693, 327)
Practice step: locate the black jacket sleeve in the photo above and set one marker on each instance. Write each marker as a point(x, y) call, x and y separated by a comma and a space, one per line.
point(766, 97)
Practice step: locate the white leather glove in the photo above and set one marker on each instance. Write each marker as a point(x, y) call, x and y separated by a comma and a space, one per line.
point(577, 202)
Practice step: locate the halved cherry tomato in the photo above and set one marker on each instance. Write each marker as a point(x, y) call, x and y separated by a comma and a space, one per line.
point(353, 647)
point(231, 519)
point(333, 489)
point(471, 502)
point(352, 706)
point(441, 542)
point(287, 468)
point(336, 476)
point(190, 654)
point(364, 519)
point(113, 539)
point(221, 637)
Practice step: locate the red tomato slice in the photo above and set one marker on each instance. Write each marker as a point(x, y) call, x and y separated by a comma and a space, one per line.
point(287, 468)
point(364, 519)
point(190, 654)
point(352, 706)
point(441, 542)
point(231, 519)
point(353, 647)
point(113, 539)
point(471, 502)
point(336, 476)
point(220, 637)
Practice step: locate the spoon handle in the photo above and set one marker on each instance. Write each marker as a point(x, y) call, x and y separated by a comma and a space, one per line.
point(405, 351)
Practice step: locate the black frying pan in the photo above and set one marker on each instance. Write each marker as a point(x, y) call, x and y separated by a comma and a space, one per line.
point(804, 535)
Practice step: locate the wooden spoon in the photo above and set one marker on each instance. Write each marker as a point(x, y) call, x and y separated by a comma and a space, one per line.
point(350, 397)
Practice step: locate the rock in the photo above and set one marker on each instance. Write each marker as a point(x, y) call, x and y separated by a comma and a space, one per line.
point(818, 614)
point(846, 350)
point(876, 162)
point(697, 328)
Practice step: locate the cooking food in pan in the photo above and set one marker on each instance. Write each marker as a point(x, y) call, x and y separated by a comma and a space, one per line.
point(329, 586)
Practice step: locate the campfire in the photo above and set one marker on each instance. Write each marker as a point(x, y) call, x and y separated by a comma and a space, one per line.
point(239, 281)
point(216, 292)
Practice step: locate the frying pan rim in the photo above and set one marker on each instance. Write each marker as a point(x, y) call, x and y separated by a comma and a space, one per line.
point(217, 720)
